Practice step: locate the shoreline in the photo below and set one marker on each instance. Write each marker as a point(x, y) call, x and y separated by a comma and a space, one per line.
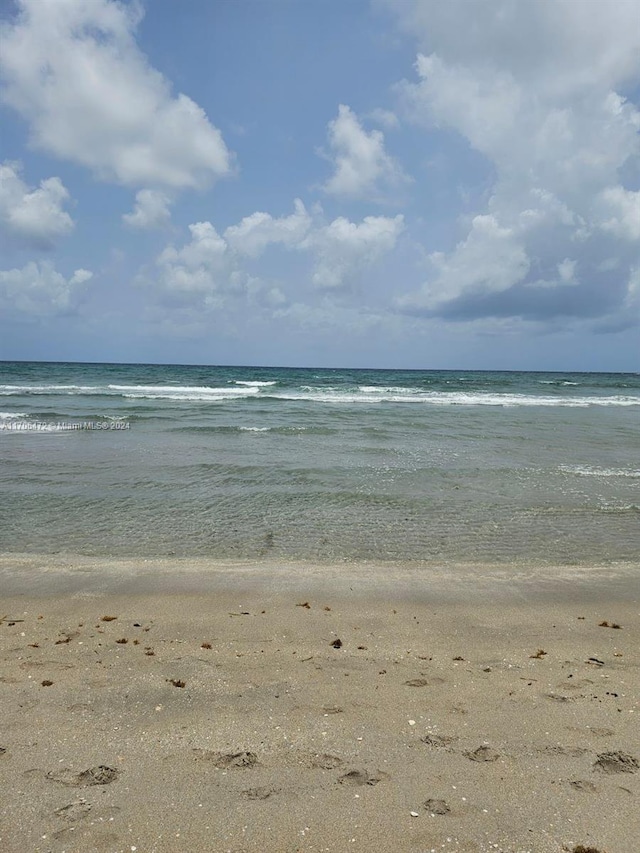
point(214, 709)
point(50, 574)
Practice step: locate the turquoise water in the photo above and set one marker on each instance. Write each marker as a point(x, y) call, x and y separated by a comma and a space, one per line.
point(323, 465)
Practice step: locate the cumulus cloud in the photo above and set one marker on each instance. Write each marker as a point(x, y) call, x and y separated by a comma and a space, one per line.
point(254, 233)
point(206, 273)
point(212, 265)
point(151, 210)
point(38, 290)
point(362, 167)
point(490, 257)
point(344, 248)
point(560, 45)
point(620, 212)
point(34, 216)
point(200, 267)
point(538, 89)
point(73, 70)
point(567, 270)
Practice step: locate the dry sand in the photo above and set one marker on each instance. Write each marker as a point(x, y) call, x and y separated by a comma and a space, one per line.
point(463, 709)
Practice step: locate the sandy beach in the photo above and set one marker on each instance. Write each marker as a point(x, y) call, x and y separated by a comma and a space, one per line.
point(181, 706)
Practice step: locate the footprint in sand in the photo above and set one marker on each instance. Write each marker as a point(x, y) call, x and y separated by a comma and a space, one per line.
point(223, 760)
point(80, 706)
point(558, 697)
point(616, 762)
point(74, 811)
point(583, 785)
point(601, 732)
point(99, 839)
point(361, 777)
point(312, 760)
point(575, 684)
point(100, 775)
point(483, 753)
point(437, 807)
point(261, 793)
point(438, 741)
point(325, 761)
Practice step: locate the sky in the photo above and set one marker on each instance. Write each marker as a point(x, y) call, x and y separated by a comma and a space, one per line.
point(371, 183)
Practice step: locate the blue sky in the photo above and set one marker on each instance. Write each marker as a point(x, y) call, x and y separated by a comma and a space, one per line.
point(394, 183)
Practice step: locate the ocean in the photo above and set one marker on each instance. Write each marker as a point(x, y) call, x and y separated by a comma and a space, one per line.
point(256, 463)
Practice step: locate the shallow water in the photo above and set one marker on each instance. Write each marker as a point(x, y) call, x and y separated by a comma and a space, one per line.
point(325, 465)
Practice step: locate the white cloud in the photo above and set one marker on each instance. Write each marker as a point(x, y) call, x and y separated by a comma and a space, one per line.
point(363, 169)
point(535, 88)
point(344, 248)
point(490, 260)
point(39, 290)
point(559, 46)
point(567, 271)
point(73, 70)
point(213, 264)
point(254, 233)
point(151, 211)
point(621, 212)
point(201, 266)
point(35, 216)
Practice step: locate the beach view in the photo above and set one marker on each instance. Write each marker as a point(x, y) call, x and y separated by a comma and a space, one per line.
point(319, 426)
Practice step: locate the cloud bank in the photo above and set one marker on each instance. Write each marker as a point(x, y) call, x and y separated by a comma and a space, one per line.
point(212, 264)
point(538, 89)
point(39, 290)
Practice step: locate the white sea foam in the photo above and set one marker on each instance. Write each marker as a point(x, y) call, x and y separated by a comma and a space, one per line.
point(182, 398)
point(185, 393)
point(173, 392)
point(254, 429)
point(10, 390)
point(389, 389)
point(181, 389)
point(367, 394)
point(450, 398)
point(586, 471)
point(12, 416)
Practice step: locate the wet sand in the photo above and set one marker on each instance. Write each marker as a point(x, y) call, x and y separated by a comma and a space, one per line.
point(169, 707)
